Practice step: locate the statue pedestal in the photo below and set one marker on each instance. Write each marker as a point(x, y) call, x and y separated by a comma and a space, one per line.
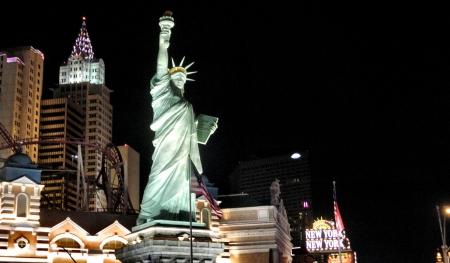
point(168, 241)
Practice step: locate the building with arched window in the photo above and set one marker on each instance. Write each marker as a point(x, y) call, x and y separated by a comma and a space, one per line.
point(28, 234)
point(69, 239)
point(247, 231)
point(21, 235)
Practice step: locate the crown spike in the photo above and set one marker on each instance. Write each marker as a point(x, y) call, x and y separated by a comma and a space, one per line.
point(181, 63)
point(173, 63)
point(192, 72)
point(189, 65)
point(190, 79)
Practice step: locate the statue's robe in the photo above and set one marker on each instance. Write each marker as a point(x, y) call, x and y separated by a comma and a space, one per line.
point(166, 195)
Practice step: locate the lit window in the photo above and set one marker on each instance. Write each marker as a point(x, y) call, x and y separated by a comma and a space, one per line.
point(22, 205)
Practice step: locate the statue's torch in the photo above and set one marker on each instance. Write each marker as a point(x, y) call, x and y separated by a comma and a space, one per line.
point(166, 23)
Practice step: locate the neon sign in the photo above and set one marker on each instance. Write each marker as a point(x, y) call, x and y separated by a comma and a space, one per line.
point(324, 237)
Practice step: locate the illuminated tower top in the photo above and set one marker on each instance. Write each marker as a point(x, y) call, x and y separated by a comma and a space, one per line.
point(82, 66)
point(83, 46)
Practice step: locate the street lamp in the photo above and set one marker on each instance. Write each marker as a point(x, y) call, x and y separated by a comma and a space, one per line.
point(295, 156)
point(442, 226)
point(54, 246)
point(74, 156)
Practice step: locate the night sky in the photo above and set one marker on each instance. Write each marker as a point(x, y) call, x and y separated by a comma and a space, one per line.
point(362, 86)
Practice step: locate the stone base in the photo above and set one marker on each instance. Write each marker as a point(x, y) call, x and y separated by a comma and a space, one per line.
point(167, 223)
point(168, 241)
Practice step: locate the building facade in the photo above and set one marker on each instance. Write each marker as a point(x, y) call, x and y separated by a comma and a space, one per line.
point(28, 234)
point(132, 170)
point(20, 232)
point(61, 119)
point(21, 79)
point(253, 232)
point(255, 178)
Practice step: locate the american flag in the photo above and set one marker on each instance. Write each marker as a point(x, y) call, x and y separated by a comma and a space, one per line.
point(337, 215)
point(338, 219)
point(198, 187)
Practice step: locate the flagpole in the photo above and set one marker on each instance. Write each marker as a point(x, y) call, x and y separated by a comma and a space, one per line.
point(339, 234)
point(190, 212)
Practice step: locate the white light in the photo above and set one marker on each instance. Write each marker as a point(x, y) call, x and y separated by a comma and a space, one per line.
point(296, 156)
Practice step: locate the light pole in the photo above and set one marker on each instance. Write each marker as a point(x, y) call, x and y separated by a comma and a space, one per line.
point(296, 155)
point(78, 181)
point(442, 226)
point(54, 246)
point(74, 156)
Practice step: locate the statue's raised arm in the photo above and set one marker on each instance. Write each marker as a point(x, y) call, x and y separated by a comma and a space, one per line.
point(166, 22)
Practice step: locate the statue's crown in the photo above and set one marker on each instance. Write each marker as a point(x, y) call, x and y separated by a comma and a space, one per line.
point(181, 69)
point(177, 69)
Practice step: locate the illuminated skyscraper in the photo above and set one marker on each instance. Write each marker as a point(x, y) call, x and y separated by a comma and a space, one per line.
point(255, 178)
point(82, 80)
point(21, 75)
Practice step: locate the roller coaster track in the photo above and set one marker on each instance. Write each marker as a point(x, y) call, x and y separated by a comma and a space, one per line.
point(117, 201)
point(6, 136)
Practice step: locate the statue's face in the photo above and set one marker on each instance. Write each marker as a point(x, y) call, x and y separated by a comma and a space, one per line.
point(178, 79)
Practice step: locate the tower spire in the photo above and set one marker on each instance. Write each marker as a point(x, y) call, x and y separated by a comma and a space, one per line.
point(83, 46)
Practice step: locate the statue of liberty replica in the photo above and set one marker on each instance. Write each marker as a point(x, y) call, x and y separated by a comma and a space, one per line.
point(162, 233)
point(167, 193)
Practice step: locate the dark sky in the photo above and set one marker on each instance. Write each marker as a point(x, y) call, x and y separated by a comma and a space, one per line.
point(362, 86)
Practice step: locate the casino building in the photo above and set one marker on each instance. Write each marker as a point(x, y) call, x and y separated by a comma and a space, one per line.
point(248, 230)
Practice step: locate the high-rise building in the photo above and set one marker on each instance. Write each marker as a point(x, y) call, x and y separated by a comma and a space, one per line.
point(60, 119)
point(255, 178)
point(82, 81)
point(21, 78)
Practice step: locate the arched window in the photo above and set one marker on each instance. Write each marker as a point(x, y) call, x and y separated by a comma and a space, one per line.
point(113, 244)
point(67, 243)
point(206, 217)
point(22, 205)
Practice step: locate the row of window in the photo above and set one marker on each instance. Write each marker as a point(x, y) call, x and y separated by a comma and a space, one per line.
point(93, 138)
point(73, 88)
point(79, 76)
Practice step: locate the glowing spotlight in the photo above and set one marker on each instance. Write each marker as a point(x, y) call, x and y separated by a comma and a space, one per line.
point(296, 156)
